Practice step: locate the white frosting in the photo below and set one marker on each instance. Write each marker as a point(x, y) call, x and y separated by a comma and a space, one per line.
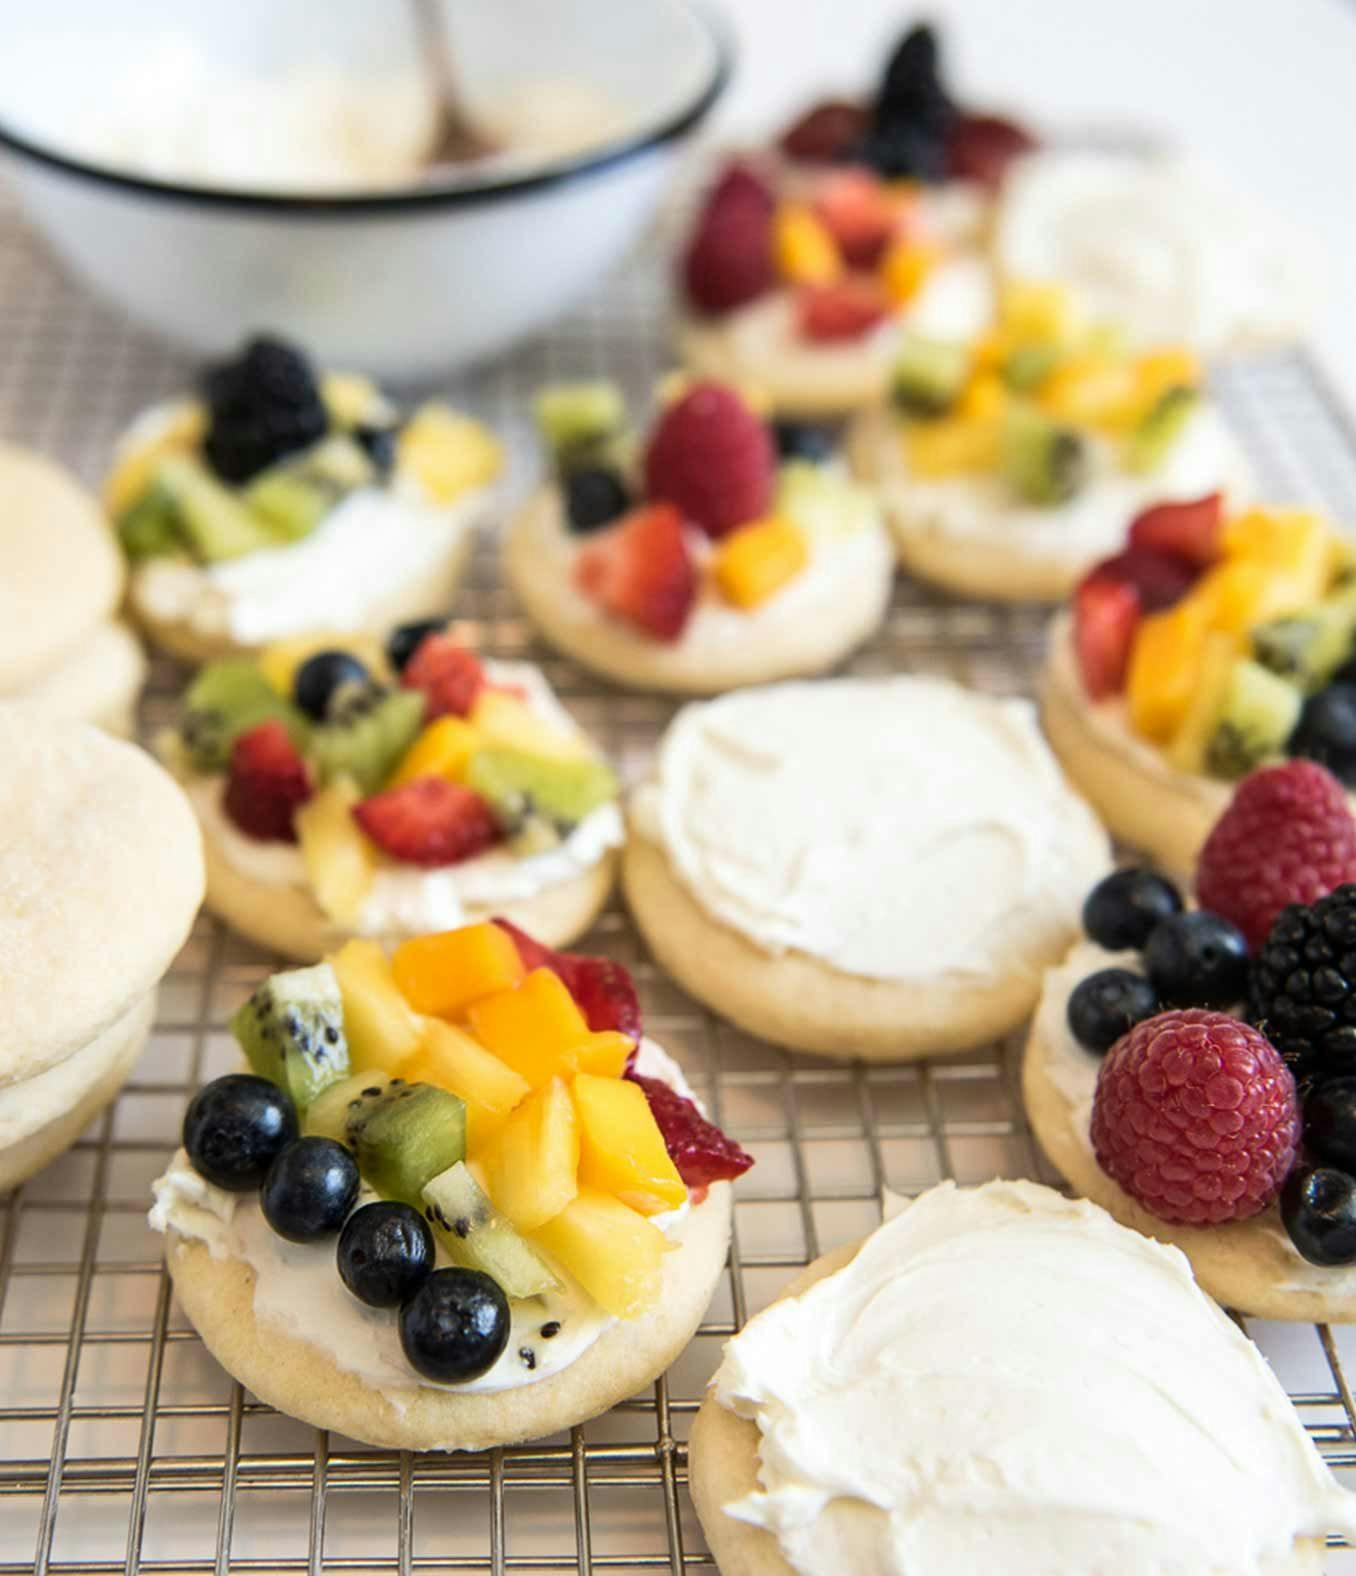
point(899, 828)
point(1163, 247)
point(297, 1287)
point(1006, 1380)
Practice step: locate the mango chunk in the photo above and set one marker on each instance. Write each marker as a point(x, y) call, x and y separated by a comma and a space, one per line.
point(444, 973)
point(1165, 665)
point(536, 1027)
point(448, 1058)
point(803, 250)
point(759, 559)
point(441, 750)
point(621, 1150)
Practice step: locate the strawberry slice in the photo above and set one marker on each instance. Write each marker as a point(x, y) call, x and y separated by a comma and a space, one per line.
point(1106, 615)
point(1188, 530)
point(603, 990)
point(448, 673)
point(729, 259)
point(1160, 578)
point(267, 781)
point(981, 147)
point(701, 1152)
point(859, 213)
point(428, 822)
point(828, 131)
point(844, 310)
point(641, 570)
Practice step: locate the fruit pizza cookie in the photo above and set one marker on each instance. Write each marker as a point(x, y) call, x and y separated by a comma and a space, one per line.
point(349, 786)
point(283, 500)
point(1193, 1070)
point(101, 875)
point(1009, 463)
point(1001, 1379)
point(807, 259)
point(722, 550)
point(1212, 642)
point(63, 650)
point(458, 1201)
point(874, 868)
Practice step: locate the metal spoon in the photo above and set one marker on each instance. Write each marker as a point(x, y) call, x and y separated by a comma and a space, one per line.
point(455, 139)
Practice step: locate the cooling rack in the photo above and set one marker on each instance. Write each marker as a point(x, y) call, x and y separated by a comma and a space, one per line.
point(125, 1449)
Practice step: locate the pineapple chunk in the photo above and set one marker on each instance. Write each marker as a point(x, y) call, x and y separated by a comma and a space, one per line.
point(1299, 549)
point(136, 464)
point(1241, 593)
point(532, 1164)
point(448, 1058)
point(758, 560)
point(505, 722)
point(451, 454)
point(340, 862)
point(444, 973)
point(382, 1030)
point(621, 1150)
point(936, 450)
point(802, 248)
point(351, 399)
point(279, 662)
point(1093, 391)
point(536, 1027)
point(604, 1053)
point(616, 1255)
point(1029, 310)
point(441, 750)
point(1165, 667)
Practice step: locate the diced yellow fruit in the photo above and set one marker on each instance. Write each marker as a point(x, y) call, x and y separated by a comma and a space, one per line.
point(1165, 664)
point(1187, 749)
point(1157, 371)
point(758, 560)
point(339, 860)
point(1300, 544)
point(535, 1027)
point(444, 973)
point(134, 468)
point(621, 1150)
point(531, 1164)
point(935, 450)
point(1092, 391)
point(991, 350)
point(381, 1027)
point(450, 1059)
point(803, 250)
point(441, 750)
point(279, 662)
point(905, 269)
point(505, 722)
point(351, 399)
point(983, 399)
point(450, 453)
point(604, 1054)
point(1045, 313)
point(616, 1255)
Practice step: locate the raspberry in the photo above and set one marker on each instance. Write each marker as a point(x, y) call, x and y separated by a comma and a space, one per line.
point(267, 781)
point(1287, 837)
point(448, 673)
point(1196, 1117)
point(712, 457)
point(729, 259)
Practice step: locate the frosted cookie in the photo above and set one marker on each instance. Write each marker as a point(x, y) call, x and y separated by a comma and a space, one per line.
point(283, 501)
point(99, 858)
point(62, 649)
point(807, 259)
point(505, 1212)
point(728, 551)
point(1002, 1379)
point(1211, 643)
point(354, 787)
point(1010, 463)
point(876, 868)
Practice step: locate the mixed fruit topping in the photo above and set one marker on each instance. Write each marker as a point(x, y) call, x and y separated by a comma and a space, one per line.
point(270, 448)
point(1231, 641)
point(411, 751)
point(1036, 398)
point(714, 501)
point(1228, 1074)
point(483, 1087)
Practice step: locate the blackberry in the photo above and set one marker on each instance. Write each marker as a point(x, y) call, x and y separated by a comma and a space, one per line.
point(913, 113)
point(263, 405)
point(1304, 986)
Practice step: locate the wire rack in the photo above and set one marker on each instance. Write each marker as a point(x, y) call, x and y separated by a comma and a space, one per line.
point(124, 1448)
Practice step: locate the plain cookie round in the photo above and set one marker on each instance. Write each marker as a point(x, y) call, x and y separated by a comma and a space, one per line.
point(722, 1456)
point(301, 1381)
point(99, 682)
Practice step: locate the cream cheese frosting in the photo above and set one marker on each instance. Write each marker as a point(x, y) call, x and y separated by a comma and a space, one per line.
point(899, 828)
point(1003, 1379)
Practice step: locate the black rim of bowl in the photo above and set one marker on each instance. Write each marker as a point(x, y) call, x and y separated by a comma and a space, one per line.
point(330, 205)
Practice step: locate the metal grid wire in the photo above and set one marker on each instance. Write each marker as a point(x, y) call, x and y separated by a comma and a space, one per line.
point(124, 1448)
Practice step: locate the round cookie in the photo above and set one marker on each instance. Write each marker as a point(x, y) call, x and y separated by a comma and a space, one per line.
point(302, 1381)
point(98, 682)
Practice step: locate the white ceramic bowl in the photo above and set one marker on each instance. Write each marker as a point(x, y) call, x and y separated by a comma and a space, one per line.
point(402, 282)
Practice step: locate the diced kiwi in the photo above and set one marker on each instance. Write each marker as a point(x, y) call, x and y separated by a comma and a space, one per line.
point(212, 518)
point(338, 462)
point(1307, 648)
point(366, 733)
point(328, 1114)
point(1257, 714)
point(928, 375)
point(289, 505)
point(1042, 461)
point(225, 700)
point(478, 1237)
point(292, 1031)
point(150, 528)
point(1028, 366)
point(519, 786)
point(406, 1136)
point(822, 501)
point(1159, 429)
point(571, 416)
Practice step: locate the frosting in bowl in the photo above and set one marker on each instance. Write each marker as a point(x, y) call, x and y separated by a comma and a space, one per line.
point(899, 828)
point(1003, 1379)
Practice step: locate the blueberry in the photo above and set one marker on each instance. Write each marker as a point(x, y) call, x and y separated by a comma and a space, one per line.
point(455, 1326)
point(594, 497)
point(385, 1253)
point(379, 445)
point(803, 440)
point(405, 639)
point(235, 1128)
point(320, 676)
point(1107, 1005)
point(1326, 731)
point(1318, 1209)
point(1330, 1123)
point(1197, 960)
point(310, 1189)
point(1123, 908)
